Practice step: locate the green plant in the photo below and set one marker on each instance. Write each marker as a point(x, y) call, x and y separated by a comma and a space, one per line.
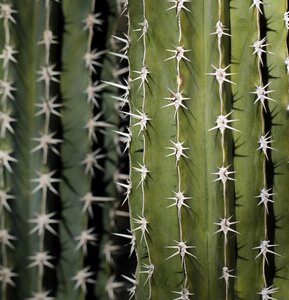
point(209, 151)
point(204, 85)
point(58, 123)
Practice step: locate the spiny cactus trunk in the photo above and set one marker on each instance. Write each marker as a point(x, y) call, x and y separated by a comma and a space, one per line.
point(208, 97)
point(52, 147)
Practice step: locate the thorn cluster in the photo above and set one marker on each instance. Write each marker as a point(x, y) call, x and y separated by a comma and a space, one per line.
point(224, 174)
point(261, 93)
point(220, 30)
point(264, 142)
point(82, 278)
point(179, 54)
point(259, 46)
point(176, 100)
point(266, 293)
point(264, 248)
point(182, 250)
point(221, 74)
point(265, 198)
point(223, 123)
point(257, 4)
point(179, 5)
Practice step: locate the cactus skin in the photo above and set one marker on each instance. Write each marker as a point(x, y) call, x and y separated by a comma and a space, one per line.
point(249, 272)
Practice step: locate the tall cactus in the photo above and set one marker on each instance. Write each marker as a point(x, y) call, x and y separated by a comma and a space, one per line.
point(204, 85)
point(54, 110)
point(209, 158)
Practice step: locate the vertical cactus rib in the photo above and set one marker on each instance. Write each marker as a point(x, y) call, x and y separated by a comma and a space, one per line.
point(7, 56)
point(246, 159)
point(156, 185)
point(141, 220)
point(259, 50)
point(205, 183)
point(223, 124)
point(179, 198)
point(45, 181)
point(75, 189)
point(91, 161)
point(24, 74)
point(277, 170)
point(266, 246)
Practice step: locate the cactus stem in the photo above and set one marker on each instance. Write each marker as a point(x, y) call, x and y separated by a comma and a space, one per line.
point(264, 144)
point(223, 123)
point(6, 92)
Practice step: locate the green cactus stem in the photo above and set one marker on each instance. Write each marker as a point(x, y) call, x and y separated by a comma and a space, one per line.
point(203, 161)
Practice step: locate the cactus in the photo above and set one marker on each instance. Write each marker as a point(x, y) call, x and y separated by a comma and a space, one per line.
point(209, 159)
point(58, 125)
point(202, 165)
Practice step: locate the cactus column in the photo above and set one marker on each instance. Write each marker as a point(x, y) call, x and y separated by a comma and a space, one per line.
point(7, 89)
point(207, 85)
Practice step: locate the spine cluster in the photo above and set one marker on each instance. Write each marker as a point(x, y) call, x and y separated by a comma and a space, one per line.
point(6, 131)
point(222, 125)
point(178, 149)
point(47, 143)
point(265, 197)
